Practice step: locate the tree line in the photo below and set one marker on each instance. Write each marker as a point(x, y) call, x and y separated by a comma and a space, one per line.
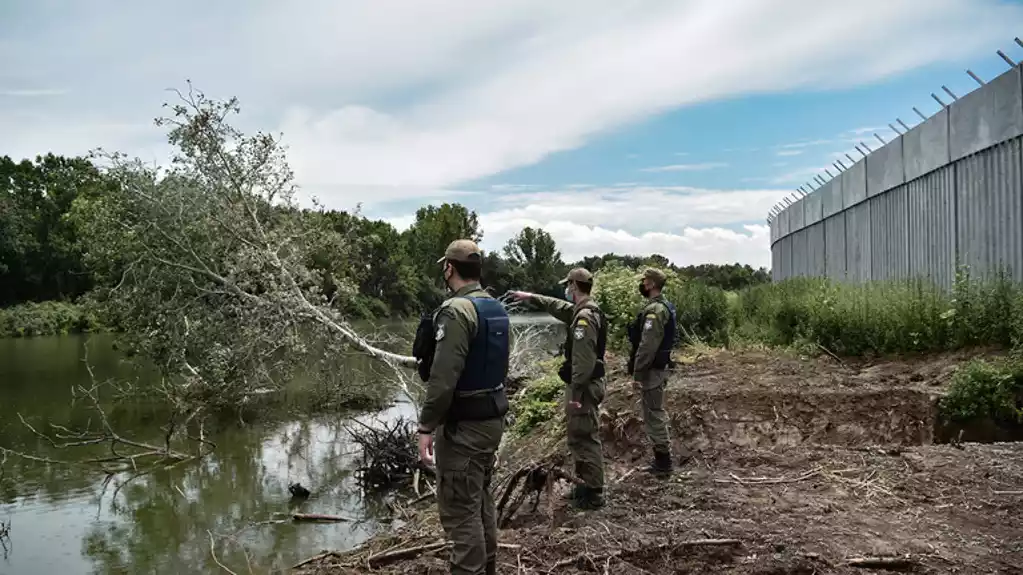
point(42, 259)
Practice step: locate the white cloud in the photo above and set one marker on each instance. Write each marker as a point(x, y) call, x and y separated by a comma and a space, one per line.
point(689, 246)
point(685, 224)
point(686, 167)
point(789, 152)
point(397, 100)
point(431, 94)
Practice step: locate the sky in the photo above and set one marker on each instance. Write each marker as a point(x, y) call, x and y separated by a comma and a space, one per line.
point(626, 126)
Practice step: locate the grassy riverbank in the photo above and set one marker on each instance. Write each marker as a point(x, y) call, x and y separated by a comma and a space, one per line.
point(46, 318)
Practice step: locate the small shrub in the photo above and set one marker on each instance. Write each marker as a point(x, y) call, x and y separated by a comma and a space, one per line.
point(985, 390)
point(703, 310)
point(540, 401)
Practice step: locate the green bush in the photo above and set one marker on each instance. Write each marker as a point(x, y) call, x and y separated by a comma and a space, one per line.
point(703, 310)
point(881, 317)
point(46, 318)
point(985, 390)
point(540, 401)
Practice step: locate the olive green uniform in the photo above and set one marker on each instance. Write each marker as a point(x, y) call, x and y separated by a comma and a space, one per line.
point(655, 316)
point(583, 424)
point(465, 451)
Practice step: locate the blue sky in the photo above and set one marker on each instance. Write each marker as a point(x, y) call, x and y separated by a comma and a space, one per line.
point(628, 125)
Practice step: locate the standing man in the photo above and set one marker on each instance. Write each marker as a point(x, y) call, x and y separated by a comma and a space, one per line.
point(462, 419)
point(652, 336)
point(583, 372)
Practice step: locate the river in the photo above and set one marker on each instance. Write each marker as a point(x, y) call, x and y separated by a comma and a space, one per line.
point(75, 520)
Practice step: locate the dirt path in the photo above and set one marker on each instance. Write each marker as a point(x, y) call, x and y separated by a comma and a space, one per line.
point(789, 465)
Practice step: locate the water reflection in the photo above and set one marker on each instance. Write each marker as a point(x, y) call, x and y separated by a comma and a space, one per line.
point(74, 519)
point(160, 523)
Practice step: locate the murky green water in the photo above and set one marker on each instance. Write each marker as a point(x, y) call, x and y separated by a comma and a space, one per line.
point(71, 520)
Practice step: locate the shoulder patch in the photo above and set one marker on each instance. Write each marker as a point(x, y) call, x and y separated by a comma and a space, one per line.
point(648, 324)
point(440, 332)
point(578, 333)
point(582, 321)
point(651, 315)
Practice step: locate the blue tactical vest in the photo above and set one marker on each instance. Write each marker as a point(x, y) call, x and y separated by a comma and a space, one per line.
point(663, 357)
point(479, 393)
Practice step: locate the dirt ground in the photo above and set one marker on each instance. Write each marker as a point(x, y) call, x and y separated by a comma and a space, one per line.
point(786, 464)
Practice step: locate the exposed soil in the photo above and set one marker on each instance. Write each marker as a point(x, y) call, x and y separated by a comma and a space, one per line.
point(785, 465)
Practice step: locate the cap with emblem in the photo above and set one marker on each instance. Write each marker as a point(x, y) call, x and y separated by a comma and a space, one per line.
point(655, 275)
point(581, 275)
point(462, 251)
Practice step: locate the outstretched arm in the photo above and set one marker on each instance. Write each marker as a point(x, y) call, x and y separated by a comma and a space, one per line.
point(558, 308)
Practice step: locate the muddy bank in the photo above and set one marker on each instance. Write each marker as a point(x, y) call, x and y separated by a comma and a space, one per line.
point(787, 465)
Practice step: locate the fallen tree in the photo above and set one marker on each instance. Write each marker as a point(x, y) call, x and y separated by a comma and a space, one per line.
point(209, 267)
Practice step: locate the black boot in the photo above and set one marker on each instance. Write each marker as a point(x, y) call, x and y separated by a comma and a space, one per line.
point(589, 498)
point(572, 494)
point(661, 464)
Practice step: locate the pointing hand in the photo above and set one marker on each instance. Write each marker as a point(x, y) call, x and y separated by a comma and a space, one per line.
point(520, 295)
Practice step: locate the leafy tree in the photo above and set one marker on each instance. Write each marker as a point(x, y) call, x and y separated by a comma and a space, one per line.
point(387, 279)
point(40, 257)
point(206, 266)
point(436, 227)
point(533, 254)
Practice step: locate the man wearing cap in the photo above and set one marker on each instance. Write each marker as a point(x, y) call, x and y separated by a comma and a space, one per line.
point(652, 336)
point(583, 372)
point(462, 418)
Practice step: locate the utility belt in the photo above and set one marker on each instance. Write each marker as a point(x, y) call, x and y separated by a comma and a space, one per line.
point(492, 404)
point(565, 371)
point(661, 361)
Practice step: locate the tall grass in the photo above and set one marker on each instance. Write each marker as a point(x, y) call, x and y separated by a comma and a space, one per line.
point(882, 317)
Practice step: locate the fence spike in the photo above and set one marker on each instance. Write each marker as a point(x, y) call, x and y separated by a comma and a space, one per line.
point(1007, 59)
point(975, 77)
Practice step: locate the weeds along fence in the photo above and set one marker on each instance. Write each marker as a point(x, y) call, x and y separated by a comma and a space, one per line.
point(945, 193)
point(882, 317)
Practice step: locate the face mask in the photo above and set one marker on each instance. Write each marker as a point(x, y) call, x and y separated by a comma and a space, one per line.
point(643, 290)
point(568, 294)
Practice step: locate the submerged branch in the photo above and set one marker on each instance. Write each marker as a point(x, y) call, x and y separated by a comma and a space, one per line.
point(390, 456)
